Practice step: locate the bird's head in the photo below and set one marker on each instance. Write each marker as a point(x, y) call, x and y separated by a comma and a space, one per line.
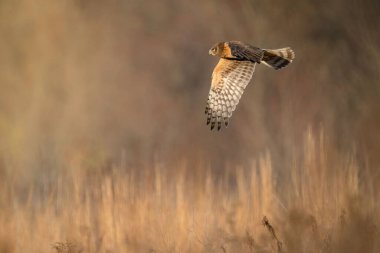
point(217, 49)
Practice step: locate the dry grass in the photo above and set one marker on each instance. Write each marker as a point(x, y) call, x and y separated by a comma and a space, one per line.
point(103, 143)
point(324, 206)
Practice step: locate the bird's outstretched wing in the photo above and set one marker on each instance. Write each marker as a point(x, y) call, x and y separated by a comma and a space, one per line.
point(245, 52)
point(229, 80)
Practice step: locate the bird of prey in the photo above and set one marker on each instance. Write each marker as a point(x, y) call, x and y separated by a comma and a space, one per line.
point(232, 74)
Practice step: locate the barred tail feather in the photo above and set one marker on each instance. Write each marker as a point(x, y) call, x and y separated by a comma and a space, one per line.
point(278, 58)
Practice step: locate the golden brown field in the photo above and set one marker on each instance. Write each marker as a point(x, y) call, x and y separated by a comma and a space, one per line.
point(324, 206)
point(104, 146)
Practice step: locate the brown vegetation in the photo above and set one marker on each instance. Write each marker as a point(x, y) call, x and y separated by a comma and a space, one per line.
point(321, 208)
point(104, 147)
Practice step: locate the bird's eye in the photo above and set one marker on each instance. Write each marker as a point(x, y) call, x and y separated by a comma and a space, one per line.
point(214, 49)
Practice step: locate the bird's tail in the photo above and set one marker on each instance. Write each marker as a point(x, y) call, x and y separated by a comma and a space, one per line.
point(278, 58)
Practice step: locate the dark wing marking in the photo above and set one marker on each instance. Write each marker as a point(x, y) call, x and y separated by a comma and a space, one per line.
point(246, 52)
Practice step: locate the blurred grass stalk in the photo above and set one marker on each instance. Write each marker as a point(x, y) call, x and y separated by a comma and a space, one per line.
point(322, 206)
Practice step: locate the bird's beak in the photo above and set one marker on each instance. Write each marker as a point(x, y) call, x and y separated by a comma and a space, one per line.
point(210, 52)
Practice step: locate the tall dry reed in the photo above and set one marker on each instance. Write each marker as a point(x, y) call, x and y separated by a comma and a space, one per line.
point(321, 207)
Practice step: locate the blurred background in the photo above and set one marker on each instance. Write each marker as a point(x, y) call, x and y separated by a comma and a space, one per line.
point(103, 137)
point(96, 81)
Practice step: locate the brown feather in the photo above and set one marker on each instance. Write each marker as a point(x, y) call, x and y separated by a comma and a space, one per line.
point(232, 74)
point(229, 80)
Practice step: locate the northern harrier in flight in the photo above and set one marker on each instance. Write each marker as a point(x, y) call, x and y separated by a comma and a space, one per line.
point(232, 74)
